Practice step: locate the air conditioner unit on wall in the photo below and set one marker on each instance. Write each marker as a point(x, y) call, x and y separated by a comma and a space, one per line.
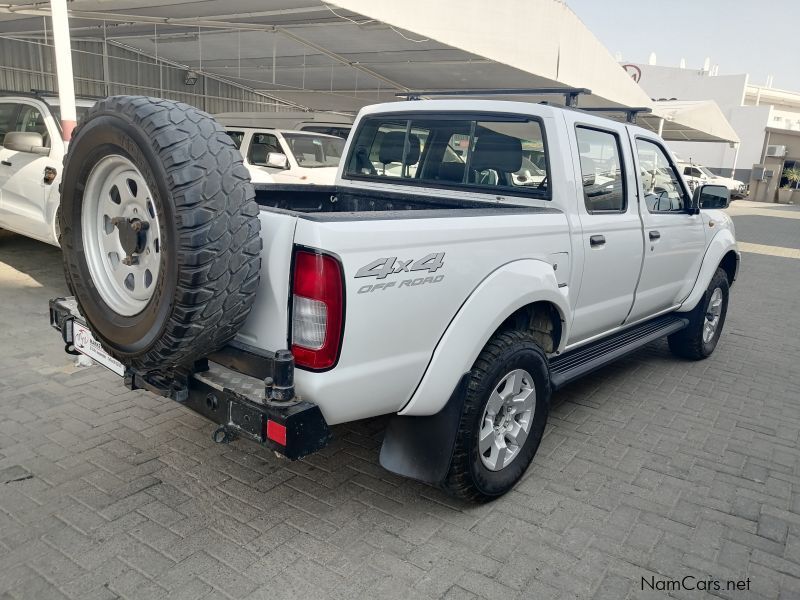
point(779, 151)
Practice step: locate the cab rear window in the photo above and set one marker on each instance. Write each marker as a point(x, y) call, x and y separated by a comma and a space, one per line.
point(488, 153)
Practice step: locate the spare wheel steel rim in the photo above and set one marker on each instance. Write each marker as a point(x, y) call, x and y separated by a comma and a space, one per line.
point(121, 235)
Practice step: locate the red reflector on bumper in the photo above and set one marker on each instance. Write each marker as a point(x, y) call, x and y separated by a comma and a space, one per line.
point(276, 432)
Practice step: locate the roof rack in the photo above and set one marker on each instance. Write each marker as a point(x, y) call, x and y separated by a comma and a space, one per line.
point(570, 94)
point(630, 111)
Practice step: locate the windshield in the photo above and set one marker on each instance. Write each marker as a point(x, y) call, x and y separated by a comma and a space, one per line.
point(314, 151)
point(706, 172)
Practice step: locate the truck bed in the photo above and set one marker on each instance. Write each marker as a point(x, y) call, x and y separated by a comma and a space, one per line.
point(323, 202)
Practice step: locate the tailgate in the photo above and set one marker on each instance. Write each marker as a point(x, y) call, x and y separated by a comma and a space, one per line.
point(267, 326)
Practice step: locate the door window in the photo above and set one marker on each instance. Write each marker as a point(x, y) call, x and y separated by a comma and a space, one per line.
point(692, 172)
point(601, 170)
point(7, 110)
point(31, 119)
point(661, 186)
point(260, 147)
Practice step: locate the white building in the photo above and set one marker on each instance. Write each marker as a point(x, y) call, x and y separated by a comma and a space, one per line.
point(752, 110)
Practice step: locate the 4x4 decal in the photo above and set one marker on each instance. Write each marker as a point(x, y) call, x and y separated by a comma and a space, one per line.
point(383, 267)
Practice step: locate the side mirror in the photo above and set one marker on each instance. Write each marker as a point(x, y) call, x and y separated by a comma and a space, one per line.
point(26, 141)
point(711, 196)
point(277, 160)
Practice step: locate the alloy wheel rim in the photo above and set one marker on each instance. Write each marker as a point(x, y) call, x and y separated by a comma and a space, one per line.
point(121, 235)
point(712, 316)
point(507, 420)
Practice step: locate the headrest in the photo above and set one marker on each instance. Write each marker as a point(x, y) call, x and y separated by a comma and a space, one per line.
point(497, 151)
point(392, 148)
point(584, 148)
point(451, 171)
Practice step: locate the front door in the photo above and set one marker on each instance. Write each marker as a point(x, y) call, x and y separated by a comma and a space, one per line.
point(674, 238)
point(611, 230)
point(24, 191)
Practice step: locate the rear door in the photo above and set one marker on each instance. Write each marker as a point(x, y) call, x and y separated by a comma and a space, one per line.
point(674, 238)
point(611, 229)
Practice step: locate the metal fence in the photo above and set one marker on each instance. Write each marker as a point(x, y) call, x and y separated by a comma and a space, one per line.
point(106, 68)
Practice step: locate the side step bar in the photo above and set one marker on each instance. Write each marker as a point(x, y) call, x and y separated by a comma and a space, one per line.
point(576, 363)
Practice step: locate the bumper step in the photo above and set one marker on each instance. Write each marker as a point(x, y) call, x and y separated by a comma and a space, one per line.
point(574, 364)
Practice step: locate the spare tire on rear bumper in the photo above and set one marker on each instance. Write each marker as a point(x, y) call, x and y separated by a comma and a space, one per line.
point(159, 231)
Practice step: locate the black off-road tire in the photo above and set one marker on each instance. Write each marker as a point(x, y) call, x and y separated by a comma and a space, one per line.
point(208, 220)
point(688, 343)
point(468, 478)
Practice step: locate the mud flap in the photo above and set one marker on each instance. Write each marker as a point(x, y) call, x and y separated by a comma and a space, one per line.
point(422, 447)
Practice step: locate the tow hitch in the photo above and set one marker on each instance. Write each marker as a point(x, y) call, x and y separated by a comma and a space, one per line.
point(248, 392)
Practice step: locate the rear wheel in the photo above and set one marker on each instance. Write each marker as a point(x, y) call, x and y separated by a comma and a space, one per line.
point(699, 339)
point(505, 413)
point(159, 231)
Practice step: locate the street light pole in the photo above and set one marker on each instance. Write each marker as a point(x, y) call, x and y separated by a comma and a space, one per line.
point(63, 55)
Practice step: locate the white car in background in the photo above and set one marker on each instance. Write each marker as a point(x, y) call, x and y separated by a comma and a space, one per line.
point(287, 156)
point(699, 175)
point(31, 161)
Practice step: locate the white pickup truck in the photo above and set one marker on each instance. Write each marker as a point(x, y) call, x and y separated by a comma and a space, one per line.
point(696, 175)
point(432, 283)
point(31, 156)
point(287, 156)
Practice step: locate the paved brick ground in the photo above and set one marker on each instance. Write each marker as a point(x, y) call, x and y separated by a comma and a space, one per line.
point(654, 468)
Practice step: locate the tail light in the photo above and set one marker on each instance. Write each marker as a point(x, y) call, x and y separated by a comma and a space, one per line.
point(317, 310)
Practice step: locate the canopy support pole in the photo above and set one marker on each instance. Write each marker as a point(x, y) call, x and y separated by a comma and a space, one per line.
point(63, 55)
point(661, 128)
point(735, 160)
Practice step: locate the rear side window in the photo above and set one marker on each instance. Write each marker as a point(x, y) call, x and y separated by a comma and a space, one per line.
point(601, 170)
point(7, 111)
point(495, 154)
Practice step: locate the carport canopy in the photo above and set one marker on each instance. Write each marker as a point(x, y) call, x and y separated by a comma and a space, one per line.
point(690, 121)
point(340, 56)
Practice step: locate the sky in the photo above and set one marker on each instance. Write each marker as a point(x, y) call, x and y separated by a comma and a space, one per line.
point(741, 36)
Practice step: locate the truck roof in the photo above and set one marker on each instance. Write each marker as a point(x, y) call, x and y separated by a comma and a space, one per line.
point(280, 130)
point(49, 98)
point(485, 106)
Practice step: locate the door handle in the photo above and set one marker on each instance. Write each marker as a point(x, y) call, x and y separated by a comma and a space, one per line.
point(597, 240)
point(6, 163)
point(655, 235)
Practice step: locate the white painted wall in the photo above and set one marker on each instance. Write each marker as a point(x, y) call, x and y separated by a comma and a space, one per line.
point(728, 91)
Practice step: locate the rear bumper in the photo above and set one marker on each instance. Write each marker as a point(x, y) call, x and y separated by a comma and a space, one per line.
point(263, 409)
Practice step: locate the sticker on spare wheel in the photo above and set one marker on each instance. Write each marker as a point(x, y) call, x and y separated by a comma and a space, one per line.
point(86, 344)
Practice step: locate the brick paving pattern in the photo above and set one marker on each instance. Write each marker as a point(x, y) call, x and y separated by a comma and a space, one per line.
point(654, 468)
